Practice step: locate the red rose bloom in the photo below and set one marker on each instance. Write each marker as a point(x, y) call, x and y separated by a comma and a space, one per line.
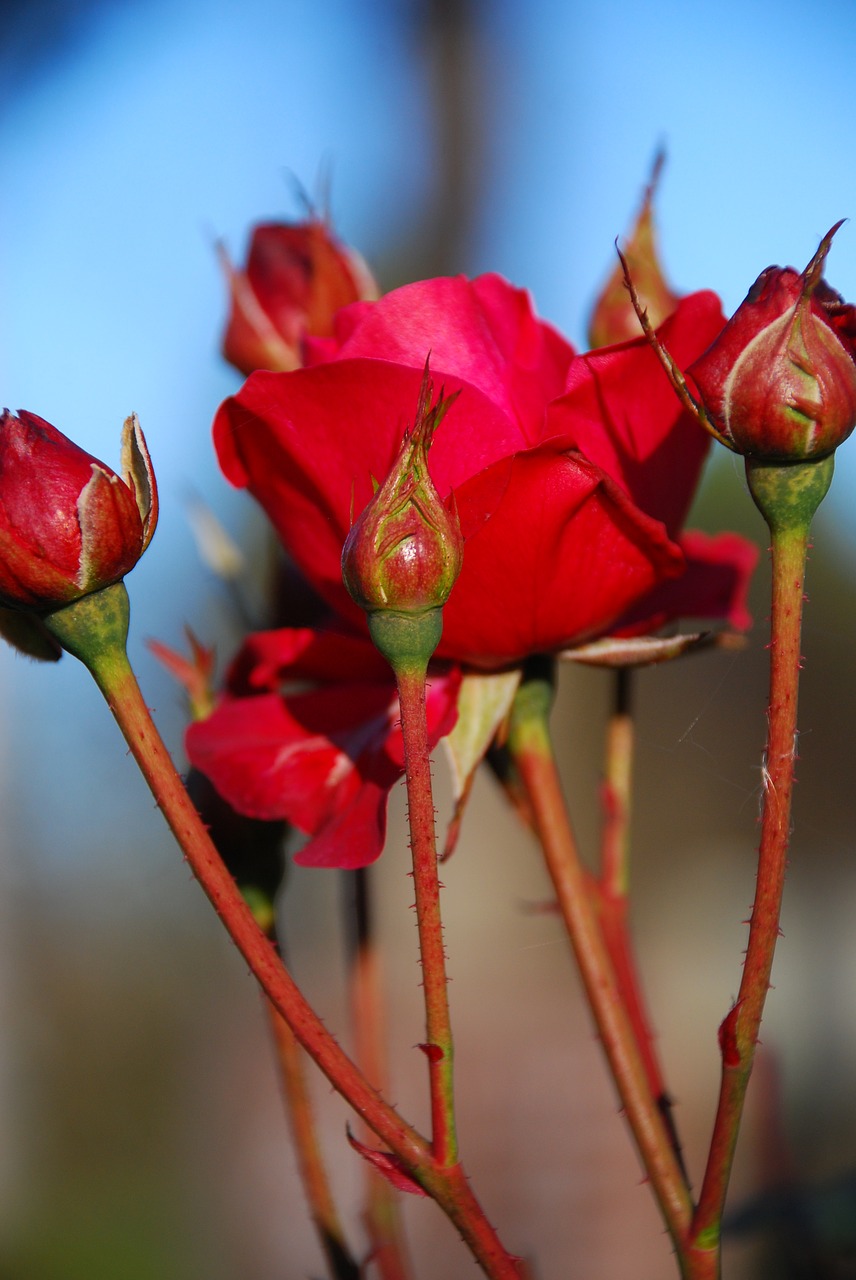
point(570, 475)
point(569, 503)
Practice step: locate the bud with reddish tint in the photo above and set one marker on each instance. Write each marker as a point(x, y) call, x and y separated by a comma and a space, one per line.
point(68, 524)
point(779, 383)
point(296, 279)
point(614, 317)
point(404, 553)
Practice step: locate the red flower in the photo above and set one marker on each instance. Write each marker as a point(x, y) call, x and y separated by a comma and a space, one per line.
point(296, 279)
point(68, 524)
point(569, 510)
point(624, 417)
point(779, 382)
point(324, 755)
point(571, 477)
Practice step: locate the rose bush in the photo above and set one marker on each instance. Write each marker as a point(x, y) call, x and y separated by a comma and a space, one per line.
point(571, 476)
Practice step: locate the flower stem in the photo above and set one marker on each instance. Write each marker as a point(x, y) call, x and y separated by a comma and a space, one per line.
point(618, 776)
point(82, 628)
point(310, 1162)
point(531, 748)
point(94, 629)
point(382, 1216)
point(438, 1046)
point(611, 892)
point(788, 496)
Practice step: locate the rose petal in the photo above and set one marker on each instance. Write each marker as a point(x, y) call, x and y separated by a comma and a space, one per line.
point(624, 416)
point(714, 585)
point(267, 659)
point(483, 332)
point(324, 759)
point(307, 445)
point(553, 561)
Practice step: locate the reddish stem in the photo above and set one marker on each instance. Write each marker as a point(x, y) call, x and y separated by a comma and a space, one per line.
point(617, 791)
point(382, 1216)
point(310, 1162)
point(611, 892)
point(117, 682)
point(739, 1031)
point(530, 745)
point(438, 1046)
point(94, 630)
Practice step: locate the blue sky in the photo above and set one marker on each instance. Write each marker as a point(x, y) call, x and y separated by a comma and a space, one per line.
point(164, 125)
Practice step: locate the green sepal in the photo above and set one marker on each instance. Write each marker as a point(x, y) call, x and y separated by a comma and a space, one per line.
point(789, 493)
point(406, 640)
point(93, 628)
point(528, 723)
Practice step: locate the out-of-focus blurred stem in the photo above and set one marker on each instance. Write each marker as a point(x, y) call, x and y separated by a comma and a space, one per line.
point(611, 890)
point(617, 788)
point(531, 748)
point(313, 1175)
point(382, 1216)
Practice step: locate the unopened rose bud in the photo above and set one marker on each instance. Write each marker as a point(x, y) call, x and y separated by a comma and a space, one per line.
point(296, 279)
point(779, 383)
point(404, 553)
point(614, 317)
point(68, 524)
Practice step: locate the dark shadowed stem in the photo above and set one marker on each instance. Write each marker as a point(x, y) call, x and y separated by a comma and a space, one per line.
point(529, 741)
point(438, 1047)
point(313, 1175)
point(739, 1031)
point(382, 1217)
point(611, 891)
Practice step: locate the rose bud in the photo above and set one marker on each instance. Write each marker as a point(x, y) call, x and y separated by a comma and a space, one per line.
point(404, 553)
point(779, 383)
point(296, 279)
point(68, 524)
point(614, 318)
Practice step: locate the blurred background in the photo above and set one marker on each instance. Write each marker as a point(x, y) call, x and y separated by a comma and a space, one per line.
point(141, 1133)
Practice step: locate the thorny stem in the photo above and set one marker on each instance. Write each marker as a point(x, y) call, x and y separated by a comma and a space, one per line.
point(248, 848)
point(788, 497)
point(94, 629)
point(119, 686)
point(531, 749)
point(438, 1047)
